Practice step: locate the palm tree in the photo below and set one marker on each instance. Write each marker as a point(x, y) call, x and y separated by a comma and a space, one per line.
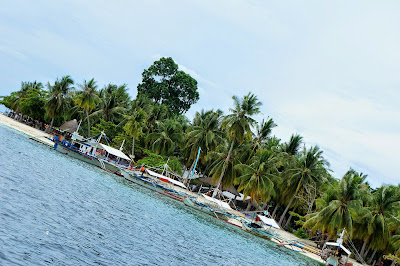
point(22, 93)
point(166, 138)
point(307, 169)
point(87, 98)
point(255, 179)
point(134, 125)
point(239, 123)
point(114, 103)
point(59, 98)
point(380, 215)
point(344, 204)
point(205, 133)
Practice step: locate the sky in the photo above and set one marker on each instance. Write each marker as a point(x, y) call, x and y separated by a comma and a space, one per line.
point(327, 70)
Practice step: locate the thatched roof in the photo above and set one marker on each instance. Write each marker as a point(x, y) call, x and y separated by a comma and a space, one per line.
point(208, 180)
point(69, 126)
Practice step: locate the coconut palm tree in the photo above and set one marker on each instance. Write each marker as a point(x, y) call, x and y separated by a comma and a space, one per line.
point(255, 179)
point(380, 215)
point(114, 103)
point(345, 203)
point(205, 133)
point(134, 125)
point(239, 123)
point(167, 137)
point(59, 99)
point(87, 98)
point(308, 168)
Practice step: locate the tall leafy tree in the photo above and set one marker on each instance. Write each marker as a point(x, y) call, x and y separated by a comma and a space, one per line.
point(205, 133)
point(308, 168)
point(60, 98)
point(344, 205)
point(167, 137)
point(239, 123)
point(134, 125)
point(114, 103)
point(380, 215)
point(87, 98)
point(255, 179)
point(165, 84)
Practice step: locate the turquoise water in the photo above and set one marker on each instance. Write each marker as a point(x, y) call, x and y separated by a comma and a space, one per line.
point(58, 210)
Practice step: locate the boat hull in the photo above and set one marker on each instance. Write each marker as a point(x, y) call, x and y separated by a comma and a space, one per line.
point(88, 159)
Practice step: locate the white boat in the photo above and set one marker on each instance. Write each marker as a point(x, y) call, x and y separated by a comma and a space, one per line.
point(334, 253)
point(93, 152)
point(263, 227)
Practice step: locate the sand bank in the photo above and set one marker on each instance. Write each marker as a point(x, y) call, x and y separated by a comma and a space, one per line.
point(33, 133)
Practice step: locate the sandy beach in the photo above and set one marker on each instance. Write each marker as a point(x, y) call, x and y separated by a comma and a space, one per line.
point(33, 133)
point(42, 137)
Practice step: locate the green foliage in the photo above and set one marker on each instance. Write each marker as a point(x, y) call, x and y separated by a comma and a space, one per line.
point(175, 165)
point(301, 234)
point(151, 159)
point(165, 84)
point(301, 219)
point(109, 128)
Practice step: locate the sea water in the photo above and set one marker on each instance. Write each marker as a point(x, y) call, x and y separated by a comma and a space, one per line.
point(61, 211)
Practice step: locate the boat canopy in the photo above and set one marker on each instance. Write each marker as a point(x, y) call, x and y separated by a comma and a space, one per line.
point(269, 221)
point(220, 203)
point(338, 245)
point(173, 181)
point(113, 151)
point(232, 196)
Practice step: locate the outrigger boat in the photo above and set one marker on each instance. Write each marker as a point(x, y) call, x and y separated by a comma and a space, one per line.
point(262, 226)
point(162, 184)
point(93, 152)
point(334, 253)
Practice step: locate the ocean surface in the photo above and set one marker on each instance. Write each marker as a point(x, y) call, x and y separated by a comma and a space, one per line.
point(60, 211)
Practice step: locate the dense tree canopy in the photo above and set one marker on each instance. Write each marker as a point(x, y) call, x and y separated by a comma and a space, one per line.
point(282, 176)
point(165, 84)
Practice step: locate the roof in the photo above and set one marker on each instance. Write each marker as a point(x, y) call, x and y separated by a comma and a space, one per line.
point(269, 221)
point(338, 245)
point(69, 126)
point(113, 151)
point(220, 203)
point(173, 181)
point(232, 196)
point(208, 180)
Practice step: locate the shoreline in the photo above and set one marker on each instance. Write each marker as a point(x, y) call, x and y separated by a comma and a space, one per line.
point(42, 137)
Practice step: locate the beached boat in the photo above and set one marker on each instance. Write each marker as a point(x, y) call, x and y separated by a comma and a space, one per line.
point(262, 227)
point(215, 208)
point(162, 184)
point(93, 152)
point(334, 253)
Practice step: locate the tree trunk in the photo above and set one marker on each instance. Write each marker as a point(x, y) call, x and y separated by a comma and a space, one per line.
point(372, 257)
point(223, 169)
point(366, 253)
point(363, 248)
point(88, 122)
point(286, 210)
point(51, 126)
point(249, 205)
point(276, 208)
point(288, 222)
point(133, 147)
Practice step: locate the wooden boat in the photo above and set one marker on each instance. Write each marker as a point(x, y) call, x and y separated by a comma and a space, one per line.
point(95, 153)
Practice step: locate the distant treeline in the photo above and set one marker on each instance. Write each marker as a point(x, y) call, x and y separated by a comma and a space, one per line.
point(292, 182)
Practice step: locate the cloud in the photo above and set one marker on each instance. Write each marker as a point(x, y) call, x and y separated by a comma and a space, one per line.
point(351, 130)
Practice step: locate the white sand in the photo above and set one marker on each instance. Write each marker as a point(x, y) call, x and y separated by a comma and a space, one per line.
point(34, 133)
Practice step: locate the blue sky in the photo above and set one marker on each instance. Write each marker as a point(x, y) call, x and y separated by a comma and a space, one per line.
point(328, 70)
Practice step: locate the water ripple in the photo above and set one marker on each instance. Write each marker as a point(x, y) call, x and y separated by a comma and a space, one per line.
point(57, 210)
